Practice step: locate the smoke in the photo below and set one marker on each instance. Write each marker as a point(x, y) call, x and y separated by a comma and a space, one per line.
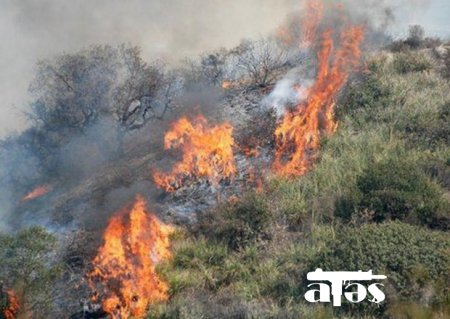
point(288, 91)
point(37, 29)
point(293, 87)
point(384, 14)
point(171, 30)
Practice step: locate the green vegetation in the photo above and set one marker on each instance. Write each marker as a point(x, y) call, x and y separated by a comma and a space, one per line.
point(396, 190)
point(410, 62)
point(377, 198)
point(27, 267)
point(416, 260)
point(239, 223)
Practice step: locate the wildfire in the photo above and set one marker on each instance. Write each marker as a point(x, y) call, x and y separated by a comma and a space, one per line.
point(298, 135)
point(207, 152)
point(13, 306)
point(311, 20)
point(134, 242)
point(37, 192)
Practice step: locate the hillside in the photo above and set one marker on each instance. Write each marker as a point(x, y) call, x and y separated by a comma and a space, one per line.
point(377, 197)
point(211, 189)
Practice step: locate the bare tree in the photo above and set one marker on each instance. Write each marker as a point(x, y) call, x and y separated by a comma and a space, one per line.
point(72, 91)
point(209, 69)
point(416, 36)
point(260, 60)
point(75, 90)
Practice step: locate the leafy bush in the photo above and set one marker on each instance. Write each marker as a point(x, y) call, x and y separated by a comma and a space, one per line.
point(439, 170)
point(411, 62)
point(238, 223)
point(28, 268)
point(415, 260)
point(396, 190)
point(196, 265)
point(368, 92)
point(431, 128)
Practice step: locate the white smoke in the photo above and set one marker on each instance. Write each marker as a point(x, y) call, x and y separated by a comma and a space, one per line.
point(290, 90)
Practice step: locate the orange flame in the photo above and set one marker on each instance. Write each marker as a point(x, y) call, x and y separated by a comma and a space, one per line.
point(37, 192)
point(207, 153)
point(298, 135)
point(13, 306)
point(311, 20)
point(134, 242)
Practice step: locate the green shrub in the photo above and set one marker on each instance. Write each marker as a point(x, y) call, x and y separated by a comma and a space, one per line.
point(411, 62)
point(197, 264)
point(439, 169)
point(368, 92)
point(27, 265)
point(396, 190)
point(238, 223)
point(407, 310)
point(201, 305)
point(430, 129)
point(230, 307)
point(415, 260)
point(191, 255)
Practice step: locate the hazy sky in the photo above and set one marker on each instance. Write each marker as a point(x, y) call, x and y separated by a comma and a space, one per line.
point(170, 29)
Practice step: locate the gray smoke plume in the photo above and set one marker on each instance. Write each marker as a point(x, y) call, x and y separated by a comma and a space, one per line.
point(171, 30)
point(35, 29)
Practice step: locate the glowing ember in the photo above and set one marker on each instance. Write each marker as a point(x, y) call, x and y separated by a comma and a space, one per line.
point(249, 151)
point(207, 152)
point(226, 85)
point(37, 192)
point(298, 135)
point(311, 20)
point(13, 306)
point(134, 242)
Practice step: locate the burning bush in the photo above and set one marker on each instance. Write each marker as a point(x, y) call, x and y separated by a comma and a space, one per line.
point(124, 274)
point(298, 135)
point(207, 152)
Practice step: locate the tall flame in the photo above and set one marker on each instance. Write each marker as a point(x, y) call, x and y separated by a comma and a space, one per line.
point(134, 242)
point(298, 135)
point(311, 21)
point(207, 152)
point(13, 306)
